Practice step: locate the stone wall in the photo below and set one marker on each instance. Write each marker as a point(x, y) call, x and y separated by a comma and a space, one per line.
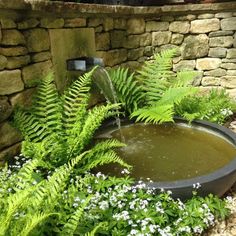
point(204, 34)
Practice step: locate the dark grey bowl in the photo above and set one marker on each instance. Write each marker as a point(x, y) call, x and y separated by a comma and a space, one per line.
point(217, 182)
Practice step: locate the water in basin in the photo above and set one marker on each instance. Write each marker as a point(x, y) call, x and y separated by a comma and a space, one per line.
point(169, 152)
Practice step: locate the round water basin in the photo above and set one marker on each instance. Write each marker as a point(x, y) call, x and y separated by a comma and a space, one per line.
point(177, 156)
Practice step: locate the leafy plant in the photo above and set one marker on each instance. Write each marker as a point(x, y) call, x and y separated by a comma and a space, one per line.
point(155, 93)
point(59, 128)
point(158, 89)
point(215, 107)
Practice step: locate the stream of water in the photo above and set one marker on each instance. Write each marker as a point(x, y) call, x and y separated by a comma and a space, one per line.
point(103, 81)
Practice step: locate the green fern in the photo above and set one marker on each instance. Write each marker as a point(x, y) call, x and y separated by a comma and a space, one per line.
point(128, 90)
point(58, 128)
point(155, 114)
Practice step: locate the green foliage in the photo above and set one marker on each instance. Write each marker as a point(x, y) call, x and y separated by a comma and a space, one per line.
point(128, 90)
point(215, 107)
point(155, 93)
point(59, 128)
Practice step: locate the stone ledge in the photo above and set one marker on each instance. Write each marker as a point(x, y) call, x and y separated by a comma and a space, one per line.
point(70, 8)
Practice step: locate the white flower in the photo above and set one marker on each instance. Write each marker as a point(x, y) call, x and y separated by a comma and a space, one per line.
point(197, 185)
point(197, 229)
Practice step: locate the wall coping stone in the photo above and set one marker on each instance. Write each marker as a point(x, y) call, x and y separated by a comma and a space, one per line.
point(71, 9)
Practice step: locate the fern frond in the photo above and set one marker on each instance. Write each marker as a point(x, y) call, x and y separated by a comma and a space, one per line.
point(102, 159)
point(160, 67)
point(184, 78)
point(33, 221)
point(72, 223)
point(102, 225)
point(129, 92)
point(94, 119)
point(154, 114)
point(29, 126)
point(176, 95)
point(75, 102)
point(47, 105)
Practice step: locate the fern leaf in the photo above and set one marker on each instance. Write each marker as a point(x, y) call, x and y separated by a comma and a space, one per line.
point(94, 231)
point(129, 92)
point(72, 224)
point(94, 119)
point(47, 105)
point(75, 101)
point(176, 95)
point(154, 114)
point(33, 221)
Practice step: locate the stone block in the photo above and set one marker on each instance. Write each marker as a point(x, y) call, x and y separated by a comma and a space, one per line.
point(177, 39)
point(234, 41)
point(23, 99)
point(228, 66)
point(41, 56)
point(52, 23)
point(135, 54)
point(215, 73)
point(221, 33)
point(148, 51)
point(12, 37)
point(231, 53)
point(28, 24)
point(98, 29)
point(228, 81)
point(9, 135)
point(119, 23)
point(208, 63)
point(102, 41)
point(3, 62)
point(135, 26)
point(118, 38)
point(232, 95)
point(223, 15)
point(10, 82)
point(210, 81)
point(8, 23)
point(94, 22)
point(32, 74)
point(167, 18)
point(141, 60)
point(108, 24)
point(160, 38)
point(188, 17)
point(206, 16)
point(37, 40)
point(113, 57)
point(13, 51)
point(75, 22)
point(205, 26)
point(217, 52)
point(228, 23)
point(227, 60)
point(145, 39)
point(17, 62)
point(181, 27)
point(7, 153)
point(132, 41)
point(131, 65)
point(5, 108)
point(168, 47)
point(184, 65)
point(224, 41)
point(195, 46)
point(231, 72)
point(156, 26)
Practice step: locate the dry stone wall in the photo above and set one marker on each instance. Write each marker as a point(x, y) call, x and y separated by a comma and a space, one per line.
point(205, 40)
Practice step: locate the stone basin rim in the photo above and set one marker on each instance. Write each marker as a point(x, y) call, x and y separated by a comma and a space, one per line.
point(215, 177)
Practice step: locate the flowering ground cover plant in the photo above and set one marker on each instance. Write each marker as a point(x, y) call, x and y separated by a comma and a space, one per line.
point(67, 204)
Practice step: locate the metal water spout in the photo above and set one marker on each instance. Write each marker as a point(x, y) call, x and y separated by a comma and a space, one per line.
point(84, 63)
